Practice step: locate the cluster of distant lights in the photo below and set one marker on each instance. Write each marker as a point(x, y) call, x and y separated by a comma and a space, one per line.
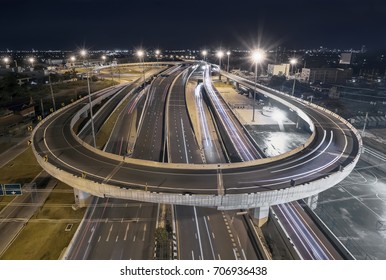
point(256, 56)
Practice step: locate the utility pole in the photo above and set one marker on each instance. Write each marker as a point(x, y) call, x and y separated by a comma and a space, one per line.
point(52, 92)
point(364, 125)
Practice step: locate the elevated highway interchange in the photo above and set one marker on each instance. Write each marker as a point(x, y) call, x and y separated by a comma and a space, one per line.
point(326, 158)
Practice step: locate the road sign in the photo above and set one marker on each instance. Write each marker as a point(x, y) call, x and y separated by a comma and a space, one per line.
point(12, 189)
point(1, 190)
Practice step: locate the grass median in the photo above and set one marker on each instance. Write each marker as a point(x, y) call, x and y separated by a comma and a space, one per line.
point(45, 236)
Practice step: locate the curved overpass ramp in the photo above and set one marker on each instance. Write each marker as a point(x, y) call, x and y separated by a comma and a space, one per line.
point(327, 157)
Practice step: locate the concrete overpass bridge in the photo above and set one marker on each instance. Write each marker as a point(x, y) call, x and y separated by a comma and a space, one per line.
point(326, 158)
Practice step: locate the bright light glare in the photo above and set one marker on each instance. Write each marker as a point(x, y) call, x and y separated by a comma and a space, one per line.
point(258, 56)
point(157, 52)
point(278, 115)
point(103, 57)
point(228, 53)
point(72, 58)
point(220, 54)
point(31, 59)
point(293, 61)
point(204, 52)
point(6, 59)
point(83, 52)
point(140, 53)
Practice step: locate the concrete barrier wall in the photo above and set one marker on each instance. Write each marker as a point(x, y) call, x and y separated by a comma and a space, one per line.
point(231, 201)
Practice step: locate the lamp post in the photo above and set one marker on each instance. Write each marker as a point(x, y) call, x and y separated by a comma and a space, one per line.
point(257, 57)
point(141, 54)
point(293, 62)
point(204, 53)
point(6, 61)
point(157, 53)
point(220, 54)
point(72, 59)
point(31, 60)
point(83, 53)
point(228, 54)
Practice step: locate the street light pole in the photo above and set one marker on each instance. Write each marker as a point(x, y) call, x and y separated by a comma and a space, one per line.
point(204, 53)
point(157, 53)
point(220, 54)
point(254, 94)
point(257, 57)
point(83, 53)
point(52, 92)
point(140, 55)
point(228, 54)
point(293, 62)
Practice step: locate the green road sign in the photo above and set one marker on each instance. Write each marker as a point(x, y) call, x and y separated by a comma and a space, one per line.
point(12, 189)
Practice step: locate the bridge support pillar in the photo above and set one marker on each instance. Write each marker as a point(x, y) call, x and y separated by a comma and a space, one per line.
point(228, 81)
point(260, 215)
point(237, 86)
point(312, 201)
point(81, 198)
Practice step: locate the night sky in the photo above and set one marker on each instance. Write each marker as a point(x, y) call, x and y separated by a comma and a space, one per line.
point(109, 24)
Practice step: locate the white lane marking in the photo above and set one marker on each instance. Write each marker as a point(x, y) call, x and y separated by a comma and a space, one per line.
point(116, 239)
point(213, 236)
point(99, 239)
point(92, 234)
point(134, 238)
point(219, 257)
point(361, 202)
point(234, 252)
point(198, 231)
point(108, 236)
point(210, 239)
point(242, 251)
point(144, 232)
point(183, 136)
point(127, 229)
point(192, 255)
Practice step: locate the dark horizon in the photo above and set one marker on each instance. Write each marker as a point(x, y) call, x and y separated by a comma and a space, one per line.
point(116, 24)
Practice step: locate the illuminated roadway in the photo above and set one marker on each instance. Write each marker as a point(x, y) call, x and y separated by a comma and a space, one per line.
point(326, 161)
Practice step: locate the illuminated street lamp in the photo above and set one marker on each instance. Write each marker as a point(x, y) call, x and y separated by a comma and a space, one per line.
point(157, 53)
point(220, 54)
point(141, 54)
point(204, 53)
point(228, 54)
point(293, 62)
point(6, 60)
point(257, 57)
point(31, 60)
point(83, 53)
point(104, 58)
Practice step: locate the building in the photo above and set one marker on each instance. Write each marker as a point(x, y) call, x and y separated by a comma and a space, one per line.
point(326, 75)
point(345, 58)
point(278, 69)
